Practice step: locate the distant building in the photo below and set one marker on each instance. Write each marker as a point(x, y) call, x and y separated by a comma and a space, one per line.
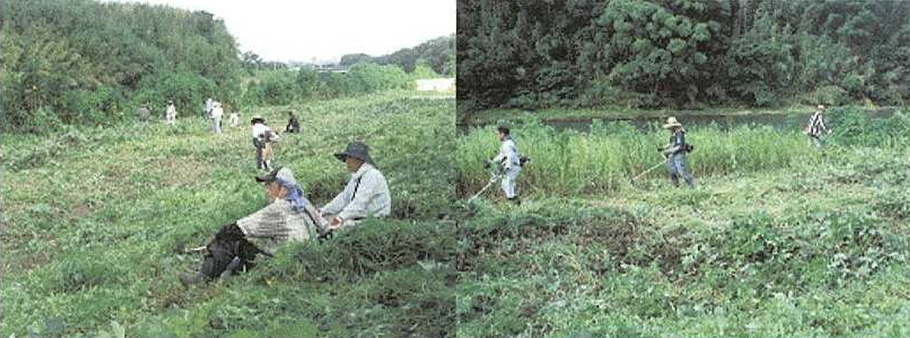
point(439, 85)
point(331, 69)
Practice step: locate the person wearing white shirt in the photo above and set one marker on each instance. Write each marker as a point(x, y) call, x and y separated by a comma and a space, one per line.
point(170, 113)
point(207, 107)
point(366, 193)
point(509, 162)
point(216, 113)
point(261, 134)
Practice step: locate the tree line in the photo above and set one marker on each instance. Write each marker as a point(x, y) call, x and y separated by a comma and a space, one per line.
point(437, 55)
point(84, 62)
point(682, 53)
point(81, 62)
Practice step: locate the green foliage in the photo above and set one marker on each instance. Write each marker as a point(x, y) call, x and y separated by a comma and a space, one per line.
point(128, 199)
point(88, 63)
point(437, 54)
point(745, 255)
point(680, 53)
point(371, 78)
point(567, 163)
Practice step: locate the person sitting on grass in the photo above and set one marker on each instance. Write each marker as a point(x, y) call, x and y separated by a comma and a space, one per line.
point(289, 216)
point(366, 193)
point(675, 153)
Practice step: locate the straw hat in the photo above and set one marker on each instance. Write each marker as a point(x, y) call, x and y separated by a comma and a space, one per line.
point(671, 123)
point(821, 106)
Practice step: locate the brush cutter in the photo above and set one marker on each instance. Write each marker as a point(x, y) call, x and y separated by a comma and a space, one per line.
point(649, 170)
point(495, 177)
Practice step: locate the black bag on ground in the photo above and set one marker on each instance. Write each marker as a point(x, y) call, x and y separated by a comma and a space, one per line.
point(228, 243)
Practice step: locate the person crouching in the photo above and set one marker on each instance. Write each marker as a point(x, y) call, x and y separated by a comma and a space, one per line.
point(289, 216)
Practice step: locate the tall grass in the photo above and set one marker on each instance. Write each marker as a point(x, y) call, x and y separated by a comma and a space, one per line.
point(810, 250)
point(569, 162)
point(604, 160)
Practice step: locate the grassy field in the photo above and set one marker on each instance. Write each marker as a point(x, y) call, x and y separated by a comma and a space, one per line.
point(776, 241)
point(95, 220)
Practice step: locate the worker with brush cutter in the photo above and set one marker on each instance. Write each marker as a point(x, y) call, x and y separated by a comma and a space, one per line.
point(675, 153)
point(816, 129)
point(510, 163)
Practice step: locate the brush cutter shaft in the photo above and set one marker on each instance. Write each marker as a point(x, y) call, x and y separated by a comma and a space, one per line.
point(649, 170)
point(492, 180)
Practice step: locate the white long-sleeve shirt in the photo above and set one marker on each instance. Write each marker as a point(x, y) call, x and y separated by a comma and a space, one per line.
point(170, 112)
point(508, 154)
point(365, 195)
point(259, 129)
point(217, 112)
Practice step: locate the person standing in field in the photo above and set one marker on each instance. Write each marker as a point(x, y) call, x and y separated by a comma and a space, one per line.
point(509, 163)
point(170, 113)
point(293, 124)
point(216, 112)
point(144, 112)
point(262, 138)
point(208, 106)
point(816, 129)
point(234, 118)
point(675, 153)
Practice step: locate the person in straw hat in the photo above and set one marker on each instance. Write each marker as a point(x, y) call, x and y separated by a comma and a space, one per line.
point(816, 129)
point(675, 152)
point(366, 193)
point(288, 216)
point(263, 136)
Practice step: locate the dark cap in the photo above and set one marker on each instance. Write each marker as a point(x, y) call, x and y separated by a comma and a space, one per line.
point(270, 177)
point(357, 150)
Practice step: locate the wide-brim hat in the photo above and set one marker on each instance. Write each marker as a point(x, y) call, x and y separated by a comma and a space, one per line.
point(357, 150)
point(671, 123)
point(257, 117)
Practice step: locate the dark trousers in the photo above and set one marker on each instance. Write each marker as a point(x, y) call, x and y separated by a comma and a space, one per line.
point(259, 146)
point(229, 245)
point(678, 168)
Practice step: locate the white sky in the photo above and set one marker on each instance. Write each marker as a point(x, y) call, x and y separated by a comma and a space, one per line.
point(303, 30)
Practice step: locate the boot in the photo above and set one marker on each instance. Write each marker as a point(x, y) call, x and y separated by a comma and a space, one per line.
point(515, 200)
point(188, 279)
point(232, 268)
